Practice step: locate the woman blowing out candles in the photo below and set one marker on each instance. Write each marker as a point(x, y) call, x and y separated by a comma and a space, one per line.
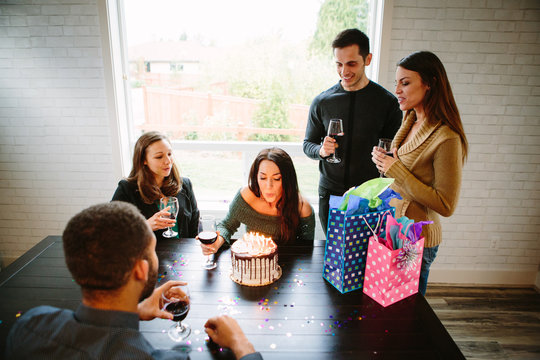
point(155, 175)
point(429, 150)
point(271, 204)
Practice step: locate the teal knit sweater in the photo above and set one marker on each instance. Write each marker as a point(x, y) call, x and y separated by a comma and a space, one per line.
point(240, 212)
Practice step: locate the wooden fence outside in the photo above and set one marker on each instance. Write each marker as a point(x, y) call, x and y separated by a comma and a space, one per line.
point(180, 112)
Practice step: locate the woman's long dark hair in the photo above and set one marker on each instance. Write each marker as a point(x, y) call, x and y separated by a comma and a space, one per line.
point(439, 103)
point(143, 176)
point(288, 205)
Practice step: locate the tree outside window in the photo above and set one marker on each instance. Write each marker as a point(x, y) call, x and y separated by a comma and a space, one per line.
point(248, 74)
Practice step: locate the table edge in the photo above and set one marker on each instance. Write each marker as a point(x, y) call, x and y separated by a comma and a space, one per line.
point(19, 264)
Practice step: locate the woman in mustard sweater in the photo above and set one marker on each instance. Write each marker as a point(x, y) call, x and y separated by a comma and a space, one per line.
point(429, 150)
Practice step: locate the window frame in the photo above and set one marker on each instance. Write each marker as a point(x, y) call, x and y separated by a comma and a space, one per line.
point(116, 65)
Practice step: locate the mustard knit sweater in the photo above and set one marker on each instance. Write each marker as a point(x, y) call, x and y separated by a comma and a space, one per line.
point(427, 174)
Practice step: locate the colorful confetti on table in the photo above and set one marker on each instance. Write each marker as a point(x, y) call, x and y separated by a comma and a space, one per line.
point(227, 305)
point(173, 267)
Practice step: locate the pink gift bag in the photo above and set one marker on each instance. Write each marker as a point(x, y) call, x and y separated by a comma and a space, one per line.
point(392, 275)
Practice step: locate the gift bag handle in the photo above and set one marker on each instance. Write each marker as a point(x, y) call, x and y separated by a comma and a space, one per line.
point(377, 226)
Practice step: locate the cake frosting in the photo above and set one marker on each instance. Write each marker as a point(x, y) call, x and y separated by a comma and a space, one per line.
point(254, 260)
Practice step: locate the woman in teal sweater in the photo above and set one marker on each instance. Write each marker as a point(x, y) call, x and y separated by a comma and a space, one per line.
point(271, 204)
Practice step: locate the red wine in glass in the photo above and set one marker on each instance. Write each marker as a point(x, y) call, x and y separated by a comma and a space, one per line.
point(338, 138)
point(176, 301)
point(386, 146)
point(335, 131)
point(179, 309)
point(208, 236)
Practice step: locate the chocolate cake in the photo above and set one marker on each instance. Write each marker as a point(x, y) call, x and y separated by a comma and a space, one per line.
point(254, 260)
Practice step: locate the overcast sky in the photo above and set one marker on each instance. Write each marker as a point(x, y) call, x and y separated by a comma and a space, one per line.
point(222, 21)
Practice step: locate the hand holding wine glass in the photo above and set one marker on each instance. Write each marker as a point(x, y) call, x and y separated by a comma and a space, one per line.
point(386, 146)
point(172, 203)
point(160, 220)
point(176, 301)
point(152, 307)
point(208, 236)
point(335, 131)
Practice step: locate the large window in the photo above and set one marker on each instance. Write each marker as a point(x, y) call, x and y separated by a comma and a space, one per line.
point(224, 79)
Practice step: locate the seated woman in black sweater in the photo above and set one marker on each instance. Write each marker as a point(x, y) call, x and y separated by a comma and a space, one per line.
point(155, 175)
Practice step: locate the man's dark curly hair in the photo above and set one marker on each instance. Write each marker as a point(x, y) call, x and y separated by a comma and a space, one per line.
point(103, 243)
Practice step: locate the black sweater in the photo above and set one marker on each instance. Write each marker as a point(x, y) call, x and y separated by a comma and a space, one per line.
point(187, 221)
point(368, 114)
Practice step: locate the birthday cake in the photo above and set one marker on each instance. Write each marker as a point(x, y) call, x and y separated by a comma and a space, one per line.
point(254, 260)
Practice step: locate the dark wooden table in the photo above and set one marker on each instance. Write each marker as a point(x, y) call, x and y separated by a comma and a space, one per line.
point(300, 316)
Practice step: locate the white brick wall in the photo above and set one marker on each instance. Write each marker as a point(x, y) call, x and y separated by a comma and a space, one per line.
point(491, 51)
point(55, 142)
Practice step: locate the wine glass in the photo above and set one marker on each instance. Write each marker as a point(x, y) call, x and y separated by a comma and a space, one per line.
point(171, 202)
point(207, 236)
point(335, 131)
point(176, 301)
point(386, 145)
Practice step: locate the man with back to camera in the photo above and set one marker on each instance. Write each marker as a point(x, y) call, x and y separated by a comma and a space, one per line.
point(368, 111)
point(110, 252)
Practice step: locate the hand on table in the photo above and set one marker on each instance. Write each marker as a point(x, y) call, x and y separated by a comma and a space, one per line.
point(226, 332)
point(381, 160)
point(328, 147)
point(151, 307)
point(161, 220)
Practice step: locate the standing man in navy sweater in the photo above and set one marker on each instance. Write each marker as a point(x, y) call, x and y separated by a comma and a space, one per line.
point(369, 112)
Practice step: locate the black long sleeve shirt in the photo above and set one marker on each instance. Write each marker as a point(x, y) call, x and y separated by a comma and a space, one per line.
point(368, 114)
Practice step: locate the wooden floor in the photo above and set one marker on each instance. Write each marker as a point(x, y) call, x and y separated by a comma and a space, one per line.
point(490, 322)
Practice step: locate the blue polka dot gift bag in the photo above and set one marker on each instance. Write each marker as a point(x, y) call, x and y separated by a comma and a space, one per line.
point(347, 238)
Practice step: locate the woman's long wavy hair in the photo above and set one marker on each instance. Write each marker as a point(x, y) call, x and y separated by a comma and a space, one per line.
point(439, 103)
point(288, 205)
point(143, 176)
